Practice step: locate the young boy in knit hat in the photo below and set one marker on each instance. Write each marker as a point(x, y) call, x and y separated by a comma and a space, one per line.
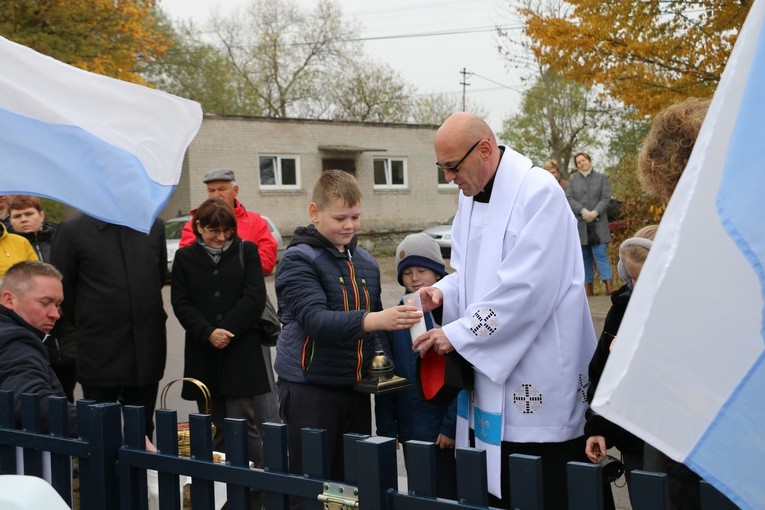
point(404, 414)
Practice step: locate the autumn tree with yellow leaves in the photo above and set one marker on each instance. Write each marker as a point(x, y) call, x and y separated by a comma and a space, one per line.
point(115, 38)
point(647, 54)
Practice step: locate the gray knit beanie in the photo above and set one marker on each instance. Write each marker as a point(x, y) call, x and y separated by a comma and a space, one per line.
point(419, 250)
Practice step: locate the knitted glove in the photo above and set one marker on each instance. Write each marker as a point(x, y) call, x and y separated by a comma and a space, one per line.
point(589, 216)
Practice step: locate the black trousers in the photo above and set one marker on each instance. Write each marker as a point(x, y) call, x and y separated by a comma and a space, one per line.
point(337, 410)
point(67, 376)
point(145, 396)
point(555, 456)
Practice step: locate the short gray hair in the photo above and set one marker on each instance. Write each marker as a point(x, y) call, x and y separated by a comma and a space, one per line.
point(19, 275)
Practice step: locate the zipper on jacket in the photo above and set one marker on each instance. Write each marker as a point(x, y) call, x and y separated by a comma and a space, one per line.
point(357, 303)
point(346, 305)
point(307, 363)
point(366, 294)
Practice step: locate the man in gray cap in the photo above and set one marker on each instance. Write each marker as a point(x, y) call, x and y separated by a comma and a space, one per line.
point(250, 226)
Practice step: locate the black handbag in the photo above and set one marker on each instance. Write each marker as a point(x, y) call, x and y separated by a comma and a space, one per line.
point(268, 324)
point(270, 327)
point(592, 236)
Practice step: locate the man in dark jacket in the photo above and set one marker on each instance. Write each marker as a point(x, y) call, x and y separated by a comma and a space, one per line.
point(113, 278)
point(28, 221)
point(30, 296)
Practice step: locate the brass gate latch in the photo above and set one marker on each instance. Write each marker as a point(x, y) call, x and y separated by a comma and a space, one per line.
point(337, 496)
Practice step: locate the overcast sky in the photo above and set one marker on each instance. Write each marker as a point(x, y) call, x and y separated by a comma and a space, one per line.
point(432, 63)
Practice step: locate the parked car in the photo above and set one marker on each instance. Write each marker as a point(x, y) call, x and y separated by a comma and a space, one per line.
point(174, 227)
point(443, 235)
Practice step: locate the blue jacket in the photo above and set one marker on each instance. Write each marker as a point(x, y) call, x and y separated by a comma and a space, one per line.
point(403, 414)
point(323, 296)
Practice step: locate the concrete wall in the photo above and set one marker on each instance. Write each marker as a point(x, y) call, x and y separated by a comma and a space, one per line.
point(237, 143)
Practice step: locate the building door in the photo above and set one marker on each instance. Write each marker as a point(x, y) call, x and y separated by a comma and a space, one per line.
point(348, 165)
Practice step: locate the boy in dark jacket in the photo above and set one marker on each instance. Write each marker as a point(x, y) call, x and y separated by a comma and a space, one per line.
point(404, 414)
point(328, 292)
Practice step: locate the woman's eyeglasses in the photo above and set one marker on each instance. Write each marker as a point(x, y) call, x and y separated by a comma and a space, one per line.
point(227, 232)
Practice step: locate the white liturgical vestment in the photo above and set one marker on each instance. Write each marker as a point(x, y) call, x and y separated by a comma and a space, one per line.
point(516, 310)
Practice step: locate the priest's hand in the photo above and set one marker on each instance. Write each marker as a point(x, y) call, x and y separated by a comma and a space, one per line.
point(431, 298)
point(433, 339)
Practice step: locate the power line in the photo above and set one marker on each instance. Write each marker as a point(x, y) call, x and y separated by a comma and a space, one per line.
point(435, 34)
point(500, 84)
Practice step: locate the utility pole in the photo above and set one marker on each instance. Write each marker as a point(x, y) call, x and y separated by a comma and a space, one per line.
point(465, 73)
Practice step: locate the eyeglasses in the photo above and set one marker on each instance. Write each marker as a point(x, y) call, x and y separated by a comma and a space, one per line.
point(227, 232)
point(456, 167)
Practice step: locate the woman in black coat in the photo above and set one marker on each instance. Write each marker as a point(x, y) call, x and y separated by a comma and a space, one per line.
point(218, 295)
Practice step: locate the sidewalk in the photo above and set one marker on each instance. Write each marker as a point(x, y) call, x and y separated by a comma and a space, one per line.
point(599, 306)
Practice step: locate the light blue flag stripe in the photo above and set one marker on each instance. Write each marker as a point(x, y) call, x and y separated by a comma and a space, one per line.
point(70, 165)
point(731, 452)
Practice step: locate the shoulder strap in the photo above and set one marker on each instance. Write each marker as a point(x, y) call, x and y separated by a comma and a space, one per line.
point(241, 254)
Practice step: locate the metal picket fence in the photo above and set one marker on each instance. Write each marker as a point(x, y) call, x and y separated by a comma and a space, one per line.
point(113, 468)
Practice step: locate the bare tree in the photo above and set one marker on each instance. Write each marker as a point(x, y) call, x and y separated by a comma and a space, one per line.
point(435, 108)
point(285, 55)
point(371, 93)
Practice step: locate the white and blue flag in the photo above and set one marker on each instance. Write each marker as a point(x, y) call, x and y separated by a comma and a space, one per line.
point(109, 148)
point(687, 373)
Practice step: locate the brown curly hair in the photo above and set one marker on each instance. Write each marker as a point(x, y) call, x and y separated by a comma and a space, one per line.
point(668, 146)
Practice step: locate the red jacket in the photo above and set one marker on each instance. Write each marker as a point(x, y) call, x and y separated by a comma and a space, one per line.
point(250, 226)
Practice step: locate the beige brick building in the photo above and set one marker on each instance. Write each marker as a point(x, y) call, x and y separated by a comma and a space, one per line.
point(277, 161)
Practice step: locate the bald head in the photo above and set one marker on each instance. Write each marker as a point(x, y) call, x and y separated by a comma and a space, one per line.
point(469, 169)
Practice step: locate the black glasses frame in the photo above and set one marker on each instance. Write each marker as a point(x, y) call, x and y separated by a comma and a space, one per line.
point(456, 167)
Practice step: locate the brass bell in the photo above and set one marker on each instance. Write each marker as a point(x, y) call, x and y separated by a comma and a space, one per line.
point(381, 378)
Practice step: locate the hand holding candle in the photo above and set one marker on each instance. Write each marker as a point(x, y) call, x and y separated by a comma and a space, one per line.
point(419, 328)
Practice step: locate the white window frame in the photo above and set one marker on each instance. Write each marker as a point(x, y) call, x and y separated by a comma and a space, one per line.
point(278, 171)
point(388, 172)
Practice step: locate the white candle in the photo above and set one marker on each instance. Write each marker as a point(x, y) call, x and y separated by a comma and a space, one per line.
point(419, 328)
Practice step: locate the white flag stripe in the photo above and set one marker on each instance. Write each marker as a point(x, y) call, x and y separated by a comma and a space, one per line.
point(140, 120)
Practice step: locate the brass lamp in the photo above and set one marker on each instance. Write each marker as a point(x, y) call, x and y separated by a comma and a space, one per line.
point(381, 378)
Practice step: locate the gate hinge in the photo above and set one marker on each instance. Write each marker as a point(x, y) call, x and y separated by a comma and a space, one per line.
point(337, 496)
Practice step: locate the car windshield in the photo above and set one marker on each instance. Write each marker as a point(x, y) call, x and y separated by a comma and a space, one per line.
point(173, 229)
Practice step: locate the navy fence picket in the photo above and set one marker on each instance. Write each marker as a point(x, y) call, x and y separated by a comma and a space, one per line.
point(649, 491)
point(526, 481)
point(377, 472)
point(584, 483)
point(133, 481)
point(7, 421)
point(421, 468)
point(350, 457)
point(60, 464)
point(275, 460)
point(31, 422)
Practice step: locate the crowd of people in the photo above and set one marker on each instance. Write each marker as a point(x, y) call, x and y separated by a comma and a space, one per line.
point(81, 302)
